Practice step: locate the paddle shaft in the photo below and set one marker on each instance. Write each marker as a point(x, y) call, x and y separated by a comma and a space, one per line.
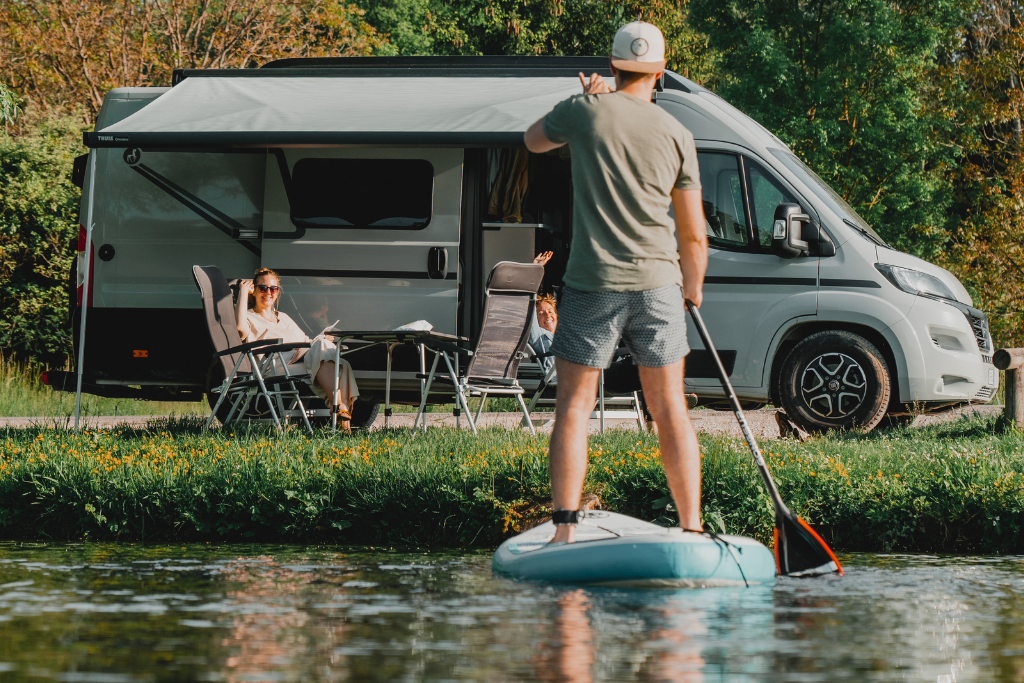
point(723, 377)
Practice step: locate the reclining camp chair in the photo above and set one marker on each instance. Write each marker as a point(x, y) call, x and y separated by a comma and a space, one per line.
point(494, 363)
point(545, 389)
point(249, 369)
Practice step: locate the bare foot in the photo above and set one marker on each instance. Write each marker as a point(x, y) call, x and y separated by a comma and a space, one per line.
point(564, 534)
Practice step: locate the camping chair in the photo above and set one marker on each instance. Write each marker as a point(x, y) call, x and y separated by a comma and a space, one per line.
point(248, 368)
point(494, 363)
point(544, 393)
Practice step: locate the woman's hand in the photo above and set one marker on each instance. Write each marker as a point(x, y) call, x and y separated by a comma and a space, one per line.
point(245, 287)
point(543, 257)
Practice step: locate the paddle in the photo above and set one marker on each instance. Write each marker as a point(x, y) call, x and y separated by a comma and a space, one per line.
point(799, 550)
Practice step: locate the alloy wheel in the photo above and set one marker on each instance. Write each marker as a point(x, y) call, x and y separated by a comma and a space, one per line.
point(833, 385)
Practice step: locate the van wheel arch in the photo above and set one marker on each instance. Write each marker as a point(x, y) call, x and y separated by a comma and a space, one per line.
point(801, 332)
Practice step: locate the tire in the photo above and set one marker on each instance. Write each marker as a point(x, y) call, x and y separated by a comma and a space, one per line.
point(364, 414)
point(835, 380)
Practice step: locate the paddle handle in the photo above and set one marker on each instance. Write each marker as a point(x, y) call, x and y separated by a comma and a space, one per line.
point(723, 377)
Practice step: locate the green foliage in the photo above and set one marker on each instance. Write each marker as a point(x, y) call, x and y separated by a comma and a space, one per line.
point(849, 86)
point(543, 27)
point(38, 223)
point(956, 487)
point(9, 108)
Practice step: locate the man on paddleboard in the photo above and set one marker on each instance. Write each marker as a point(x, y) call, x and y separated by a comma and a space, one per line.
point(625, 279)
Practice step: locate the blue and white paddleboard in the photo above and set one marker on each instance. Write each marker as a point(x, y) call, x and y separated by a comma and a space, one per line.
point(616, 550)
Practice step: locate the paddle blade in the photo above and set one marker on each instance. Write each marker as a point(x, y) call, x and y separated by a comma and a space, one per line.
point(800, 551)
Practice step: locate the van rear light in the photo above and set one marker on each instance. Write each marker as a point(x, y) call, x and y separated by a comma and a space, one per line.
point(45, 378)
point(81, 267)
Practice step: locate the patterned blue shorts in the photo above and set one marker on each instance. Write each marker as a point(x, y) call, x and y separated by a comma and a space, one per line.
point(651, 324)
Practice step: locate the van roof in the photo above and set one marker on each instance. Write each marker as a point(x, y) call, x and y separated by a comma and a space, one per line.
point(436, 101)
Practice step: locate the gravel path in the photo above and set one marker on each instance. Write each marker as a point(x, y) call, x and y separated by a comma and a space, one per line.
point(762, 422)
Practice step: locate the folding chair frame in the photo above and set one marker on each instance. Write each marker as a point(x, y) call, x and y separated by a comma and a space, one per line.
point(601, 405)
point(261, 355)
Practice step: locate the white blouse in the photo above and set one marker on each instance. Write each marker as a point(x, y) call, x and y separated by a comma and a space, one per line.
point(284, 329)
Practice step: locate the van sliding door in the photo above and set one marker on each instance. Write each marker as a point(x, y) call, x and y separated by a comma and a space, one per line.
point(366, 237)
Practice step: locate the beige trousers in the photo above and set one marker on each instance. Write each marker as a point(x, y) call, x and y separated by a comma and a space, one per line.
point(322, 351)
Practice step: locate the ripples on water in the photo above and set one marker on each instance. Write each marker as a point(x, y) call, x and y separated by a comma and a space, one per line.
point(116, 613)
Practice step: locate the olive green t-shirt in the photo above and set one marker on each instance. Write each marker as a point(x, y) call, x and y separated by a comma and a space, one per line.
point(627, 156)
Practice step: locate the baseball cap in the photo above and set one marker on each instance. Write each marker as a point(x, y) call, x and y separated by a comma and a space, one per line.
point(640, 47)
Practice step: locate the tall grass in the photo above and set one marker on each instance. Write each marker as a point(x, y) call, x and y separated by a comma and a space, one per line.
point(954, 487)
point(22, 394)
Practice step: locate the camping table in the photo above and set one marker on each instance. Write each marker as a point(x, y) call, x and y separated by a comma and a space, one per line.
point(391, 339)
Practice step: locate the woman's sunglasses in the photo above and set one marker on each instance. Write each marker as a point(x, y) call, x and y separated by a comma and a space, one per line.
point(273, 289)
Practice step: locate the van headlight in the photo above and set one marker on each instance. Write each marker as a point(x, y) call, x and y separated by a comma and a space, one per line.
point(915, 282)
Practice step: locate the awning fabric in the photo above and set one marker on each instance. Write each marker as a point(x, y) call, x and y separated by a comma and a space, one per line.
point(214, 111)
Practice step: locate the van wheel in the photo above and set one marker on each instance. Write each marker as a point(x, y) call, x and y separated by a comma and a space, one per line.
point(835, 380)
point(364, 414)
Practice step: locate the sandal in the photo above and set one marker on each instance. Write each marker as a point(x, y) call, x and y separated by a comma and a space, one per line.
point(344, 419)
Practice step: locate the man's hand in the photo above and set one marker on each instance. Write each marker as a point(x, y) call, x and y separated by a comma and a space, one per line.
point(596, 86)
point(693, 242)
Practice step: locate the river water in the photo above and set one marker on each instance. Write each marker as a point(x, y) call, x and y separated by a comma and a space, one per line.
point(120, 613)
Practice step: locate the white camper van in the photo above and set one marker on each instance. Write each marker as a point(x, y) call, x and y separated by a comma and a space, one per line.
point(383, 190)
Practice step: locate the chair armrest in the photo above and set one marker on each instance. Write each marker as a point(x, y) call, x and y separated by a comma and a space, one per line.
point(446, 346)
point(242, 348)
point(285, 347)
point(546, 354)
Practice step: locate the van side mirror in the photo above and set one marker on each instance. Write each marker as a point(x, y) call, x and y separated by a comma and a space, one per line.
point(787, 231)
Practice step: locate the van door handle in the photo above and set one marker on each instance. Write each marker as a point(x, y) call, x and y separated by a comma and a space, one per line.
point(437, 263)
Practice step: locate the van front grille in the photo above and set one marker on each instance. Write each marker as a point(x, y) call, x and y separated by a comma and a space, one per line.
point(979, 325)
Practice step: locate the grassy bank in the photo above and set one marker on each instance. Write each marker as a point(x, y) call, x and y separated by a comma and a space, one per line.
point(22, 394)
point(955, 487)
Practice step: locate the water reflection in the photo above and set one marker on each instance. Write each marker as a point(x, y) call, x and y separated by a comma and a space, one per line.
point(274, 613)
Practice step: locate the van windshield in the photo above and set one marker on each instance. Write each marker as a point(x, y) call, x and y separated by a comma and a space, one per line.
point(826, 194)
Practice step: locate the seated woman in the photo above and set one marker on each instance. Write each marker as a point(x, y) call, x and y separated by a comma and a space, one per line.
point(258, 318)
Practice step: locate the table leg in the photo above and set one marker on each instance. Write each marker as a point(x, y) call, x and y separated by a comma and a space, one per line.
point(425, 392)
point(337, 378)
point(387, 388)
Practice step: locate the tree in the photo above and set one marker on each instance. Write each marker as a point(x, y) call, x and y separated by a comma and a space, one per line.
point(38, 223)
point(64, 54)
point(536, 27)
point(987, 248)
point(849, 86)
point(9, 109)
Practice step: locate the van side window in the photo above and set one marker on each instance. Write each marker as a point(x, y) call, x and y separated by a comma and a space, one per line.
point(766, 193)
point(722, 195)
point(395, 194)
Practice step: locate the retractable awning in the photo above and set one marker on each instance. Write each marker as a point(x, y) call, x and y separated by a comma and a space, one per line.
point(278, 110)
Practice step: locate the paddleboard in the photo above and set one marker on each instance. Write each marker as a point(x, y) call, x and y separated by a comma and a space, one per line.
point(617, 550)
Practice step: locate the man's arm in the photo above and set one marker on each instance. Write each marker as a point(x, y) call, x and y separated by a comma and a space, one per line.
point(536, 141)
point(693, 242)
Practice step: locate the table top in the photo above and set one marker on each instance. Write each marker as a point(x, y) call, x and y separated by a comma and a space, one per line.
point(402, 336)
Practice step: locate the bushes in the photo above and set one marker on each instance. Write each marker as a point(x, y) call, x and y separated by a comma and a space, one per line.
point(951, 488)
point(38, 227)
